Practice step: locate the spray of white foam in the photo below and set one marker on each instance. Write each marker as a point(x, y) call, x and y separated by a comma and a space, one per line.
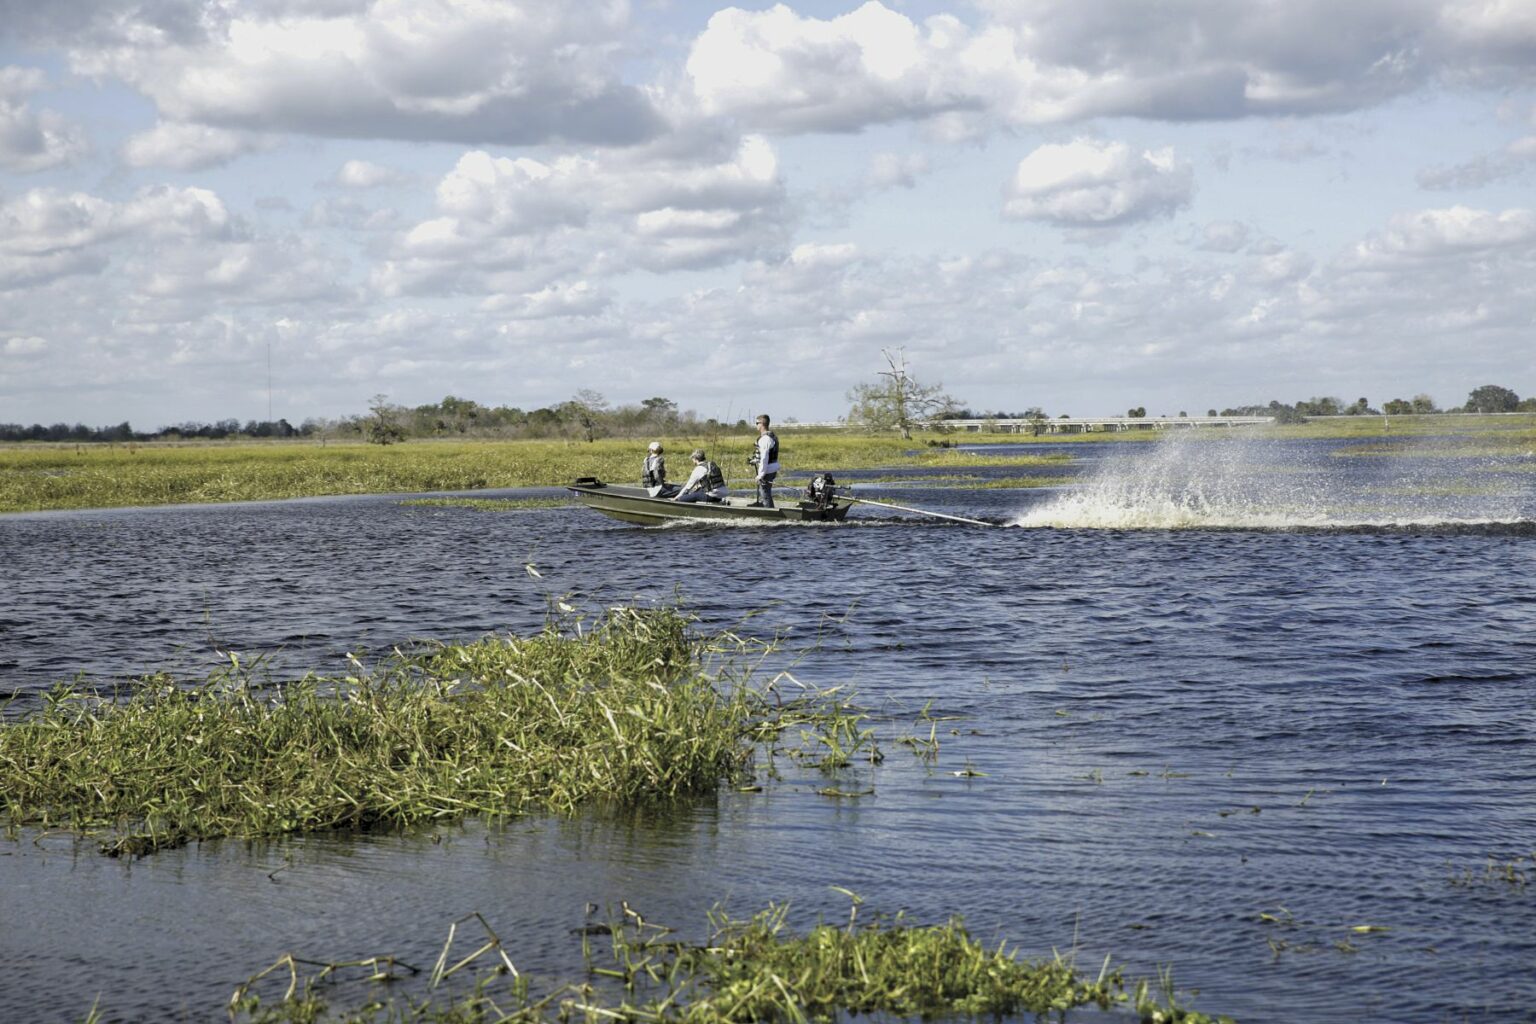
point(1205, 482)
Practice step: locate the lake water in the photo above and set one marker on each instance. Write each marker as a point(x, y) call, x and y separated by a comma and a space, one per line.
point(1208, 682)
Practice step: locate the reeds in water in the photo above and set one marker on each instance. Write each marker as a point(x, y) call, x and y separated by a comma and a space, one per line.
point(622, 711)
point(750, 970)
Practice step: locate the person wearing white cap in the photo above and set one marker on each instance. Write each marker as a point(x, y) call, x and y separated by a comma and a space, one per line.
point(653, 477)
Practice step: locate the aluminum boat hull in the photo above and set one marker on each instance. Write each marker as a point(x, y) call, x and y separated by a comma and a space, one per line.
point(634, 505)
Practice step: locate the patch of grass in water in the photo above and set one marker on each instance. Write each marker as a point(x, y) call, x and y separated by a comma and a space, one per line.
point(1022, 482)
point(748, 970)
point(623, 711)
point(1445, 448)
point(1516, 873)
point(1498, 428)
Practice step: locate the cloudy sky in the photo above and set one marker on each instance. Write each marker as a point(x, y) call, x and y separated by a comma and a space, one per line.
point(1085, 205)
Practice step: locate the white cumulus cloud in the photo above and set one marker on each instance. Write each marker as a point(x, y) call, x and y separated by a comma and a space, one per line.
point(44, 221)
point(518, 223)
point(897, 170)
point(1087, 183)
point(33, 140)
point(776, 69)
point(1054, 61)
point(30, 345)
point(188, 147)
point(364, 174)
point(1453, 232)
point(473, 71)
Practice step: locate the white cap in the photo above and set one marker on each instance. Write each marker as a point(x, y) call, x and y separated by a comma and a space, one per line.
point(655, 446)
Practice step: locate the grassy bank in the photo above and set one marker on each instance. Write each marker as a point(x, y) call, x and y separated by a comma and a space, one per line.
point(746, 971)
point(111, 476)
point(622, 712)
point(35, 478)
point(1502, 429)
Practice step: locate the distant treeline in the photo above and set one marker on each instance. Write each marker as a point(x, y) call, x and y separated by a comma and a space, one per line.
point(79, 432)
point(585, 417)
point(1489, 398)
point(1486, 399)
point(588, 416)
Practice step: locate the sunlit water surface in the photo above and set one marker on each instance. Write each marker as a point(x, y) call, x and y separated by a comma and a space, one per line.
point(1214, 684)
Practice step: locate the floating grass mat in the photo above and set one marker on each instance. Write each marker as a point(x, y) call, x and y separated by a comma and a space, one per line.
point(747, 971)
point(623, 711)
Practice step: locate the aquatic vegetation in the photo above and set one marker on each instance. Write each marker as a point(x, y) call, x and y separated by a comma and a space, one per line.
point(747, 970)
point(926, 749)
point(1012, 483)
point(36, 476)
point(1441, 425)
point(107, 476)
point(839, 735)
point(1453, 448)
point(1314, 939)
point(621, 711)
point(1516, 873)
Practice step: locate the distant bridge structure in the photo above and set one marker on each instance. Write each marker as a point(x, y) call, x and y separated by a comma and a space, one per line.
point(1098, 424)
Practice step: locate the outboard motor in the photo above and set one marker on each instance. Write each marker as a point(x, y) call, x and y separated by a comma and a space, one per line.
point(820, 491)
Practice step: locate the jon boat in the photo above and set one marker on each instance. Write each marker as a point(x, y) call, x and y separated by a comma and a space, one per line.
point(634, 505)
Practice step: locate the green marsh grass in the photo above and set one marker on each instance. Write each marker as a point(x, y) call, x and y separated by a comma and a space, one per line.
point(1509, 428)
point(621, 711)
point(749, 970)
point(35, 478)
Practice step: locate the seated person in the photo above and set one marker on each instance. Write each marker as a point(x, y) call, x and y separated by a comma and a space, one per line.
point(653, 477)
point(705, 483)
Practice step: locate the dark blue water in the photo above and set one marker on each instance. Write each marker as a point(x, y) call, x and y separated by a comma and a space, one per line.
point(1179, 730)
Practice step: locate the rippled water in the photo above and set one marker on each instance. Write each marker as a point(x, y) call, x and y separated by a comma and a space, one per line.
point(1182, 726)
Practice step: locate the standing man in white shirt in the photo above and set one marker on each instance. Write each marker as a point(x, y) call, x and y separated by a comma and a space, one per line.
point(765, 456)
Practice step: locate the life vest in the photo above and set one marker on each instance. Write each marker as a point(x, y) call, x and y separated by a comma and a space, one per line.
point(714, 477)
point(773, 448)
point(820, 490)
point(655, 473)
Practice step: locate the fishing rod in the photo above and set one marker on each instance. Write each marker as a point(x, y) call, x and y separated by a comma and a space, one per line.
point(921, 512)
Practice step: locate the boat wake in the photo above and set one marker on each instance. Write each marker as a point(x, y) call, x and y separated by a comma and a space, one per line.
point(1188, 482)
